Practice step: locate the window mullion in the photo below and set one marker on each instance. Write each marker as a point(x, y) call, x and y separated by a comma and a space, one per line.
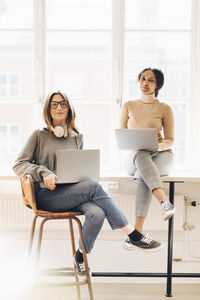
point(118, 59)
point(118, 49)
point(194, 104)
point(39, 55)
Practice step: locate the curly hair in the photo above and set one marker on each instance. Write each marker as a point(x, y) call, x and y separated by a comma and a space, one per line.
point(159, 78)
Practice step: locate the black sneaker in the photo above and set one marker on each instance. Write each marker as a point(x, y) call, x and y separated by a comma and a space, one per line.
point(80, 267)
point(145, 243)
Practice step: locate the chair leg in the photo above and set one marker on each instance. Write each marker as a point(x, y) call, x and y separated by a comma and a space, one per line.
point(40, 241)
point(32, 236)
point(72, 236)
point(73, 253)
point(84, 258)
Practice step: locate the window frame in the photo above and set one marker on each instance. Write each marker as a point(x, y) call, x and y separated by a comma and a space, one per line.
point(193, 132)
point(8, 147)
point(118, 43)
point(118, 57)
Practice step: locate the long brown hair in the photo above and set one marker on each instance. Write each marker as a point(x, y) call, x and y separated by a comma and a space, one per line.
point(70, 120)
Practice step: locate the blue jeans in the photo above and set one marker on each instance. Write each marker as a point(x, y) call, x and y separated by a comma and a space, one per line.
point(88, 197)
point(149, 167)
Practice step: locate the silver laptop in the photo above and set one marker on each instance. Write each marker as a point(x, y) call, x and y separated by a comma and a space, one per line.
point(77, 165)
point(137, 139)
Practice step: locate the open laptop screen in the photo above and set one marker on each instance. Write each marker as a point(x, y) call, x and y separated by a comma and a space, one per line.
point(77, 165)
point(137, 139)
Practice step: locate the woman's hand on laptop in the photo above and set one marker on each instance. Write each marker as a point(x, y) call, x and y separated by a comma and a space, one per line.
point(50, 181)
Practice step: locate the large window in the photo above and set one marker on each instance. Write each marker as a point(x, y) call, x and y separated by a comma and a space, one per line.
point(93, 50)
point(17, 86)
point(10, 138)
point(79, 61)
point(9, 85)
point(159, 36)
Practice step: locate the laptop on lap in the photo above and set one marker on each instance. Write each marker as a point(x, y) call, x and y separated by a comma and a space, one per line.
point(77, 165)
point(137, 139)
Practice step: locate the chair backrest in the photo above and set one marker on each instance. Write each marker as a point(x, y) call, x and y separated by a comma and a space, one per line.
point(28, 193)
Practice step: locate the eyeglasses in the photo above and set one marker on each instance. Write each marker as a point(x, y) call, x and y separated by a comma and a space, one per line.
point(54, 104)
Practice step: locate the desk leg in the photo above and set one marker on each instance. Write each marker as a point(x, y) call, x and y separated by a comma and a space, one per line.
point(170, 244)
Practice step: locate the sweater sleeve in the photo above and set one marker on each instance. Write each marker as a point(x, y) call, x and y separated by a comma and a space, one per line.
point(124, 116)
point(168, 129)
point(26, 162)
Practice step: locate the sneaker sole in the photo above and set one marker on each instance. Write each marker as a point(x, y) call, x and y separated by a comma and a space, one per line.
point(129, 248)
point(151, 250)
point(169, 214)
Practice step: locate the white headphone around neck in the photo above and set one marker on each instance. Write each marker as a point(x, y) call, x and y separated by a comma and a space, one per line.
point(58, 131)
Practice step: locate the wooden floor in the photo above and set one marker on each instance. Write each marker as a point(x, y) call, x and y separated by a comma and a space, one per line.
point(117, 291)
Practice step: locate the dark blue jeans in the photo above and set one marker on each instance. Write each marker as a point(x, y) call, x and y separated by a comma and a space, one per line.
point(88, 197)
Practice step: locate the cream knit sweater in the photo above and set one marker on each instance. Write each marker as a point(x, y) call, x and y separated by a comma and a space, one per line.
point(148, 112)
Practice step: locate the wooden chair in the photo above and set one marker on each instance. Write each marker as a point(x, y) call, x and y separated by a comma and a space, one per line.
point(29, 200)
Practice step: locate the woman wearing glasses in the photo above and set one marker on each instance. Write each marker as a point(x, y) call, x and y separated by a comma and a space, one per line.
point(147, 166)
point(38, 159)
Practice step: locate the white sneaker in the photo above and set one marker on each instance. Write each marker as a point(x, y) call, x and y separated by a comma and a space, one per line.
point(168, 210)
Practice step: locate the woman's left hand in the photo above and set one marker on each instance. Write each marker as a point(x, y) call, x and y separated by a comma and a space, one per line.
point(49, 182)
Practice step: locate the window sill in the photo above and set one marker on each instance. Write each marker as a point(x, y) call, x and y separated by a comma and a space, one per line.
point(184, 176)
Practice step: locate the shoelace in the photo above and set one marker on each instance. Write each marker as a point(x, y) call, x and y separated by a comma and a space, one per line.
point(82, 267)
point(146, 239)
point(166, 206)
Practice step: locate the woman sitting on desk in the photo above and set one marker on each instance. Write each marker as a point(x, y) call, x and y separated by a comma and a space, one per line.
point(147, 166)
point(38, 159)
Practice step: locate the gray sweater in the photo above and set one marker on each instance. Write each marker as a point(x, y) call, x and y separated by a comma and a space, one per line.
point(38, 157)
